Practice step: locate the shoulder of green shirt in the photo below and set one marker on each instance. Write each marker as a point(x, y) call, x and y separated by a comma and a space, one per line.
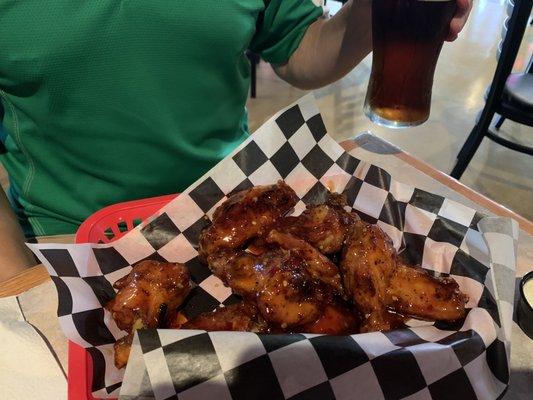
point(281, 28)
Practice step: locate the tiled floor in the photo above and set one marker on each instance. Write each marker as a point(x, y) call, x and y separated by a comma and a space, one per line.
point(463, 74)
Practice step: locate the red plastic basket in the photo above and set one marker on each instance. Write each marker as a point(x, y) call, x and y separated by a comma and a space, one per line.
point(104, 226)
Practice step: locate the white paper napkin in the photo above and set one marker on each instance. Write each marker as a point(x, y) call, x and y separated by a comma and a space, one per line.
point(28, 370)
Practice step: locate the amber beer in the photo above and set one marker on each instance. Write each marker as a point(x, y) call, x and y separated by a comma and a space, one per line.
point(407, 38)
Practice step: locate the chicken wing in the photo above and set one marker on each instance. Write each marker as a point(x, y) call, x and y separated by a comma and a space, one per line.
point(367, 261)
point(336, 319)
point(150, 291)
point(148, 295)
point(382, 320)
point(278, 281)
point(246, 215)
point(122, 349)
point(378, 283)
point(242, 316)
point(411, 291)
point(317, 264)
point(288, 296)
point(324, 226)
point(243, 272)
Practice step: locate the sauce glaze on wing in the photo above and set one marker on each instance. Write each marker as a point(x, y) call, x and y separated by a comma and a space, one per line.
point(378, 283)
point(412, 291)
point(317, 264)
point(245, 215)
point(150, 291)
point(146, 297)
point(324, 226)
point(241, 316)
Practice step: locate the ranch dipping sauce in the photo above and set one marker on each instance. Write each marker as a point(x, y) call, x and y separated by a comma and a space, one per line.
point(525, 305)
point(528, 292)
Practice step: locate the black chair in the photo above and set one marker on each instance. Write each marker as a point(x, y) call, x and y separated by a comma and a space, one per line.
point(519, 91)
point(510, 95)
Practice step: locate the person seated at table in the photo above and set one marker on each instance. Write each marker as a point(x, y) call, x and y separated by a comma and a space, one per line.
point(108, 101)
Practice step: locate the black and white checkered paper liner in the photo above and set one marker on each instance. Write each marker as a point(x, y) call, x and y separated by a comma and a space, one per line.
point(468, 359)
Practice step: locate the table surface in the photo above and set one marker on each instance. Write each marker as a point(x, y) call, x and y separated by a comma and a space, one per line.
point(33, 285)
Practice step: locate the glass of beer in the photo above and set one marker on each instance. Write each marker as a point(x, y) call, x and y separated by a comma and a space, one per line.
point(407, 38)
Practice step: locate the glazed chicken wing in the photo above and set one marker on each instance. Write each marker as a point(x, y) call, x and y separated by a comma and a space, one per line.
point(378, 283)
point(245, 215)
point(243, 272)
point(146, 297)
point(122, 350)
point(337, 318)
point(382, 320)
point(367, 261)
point(150, 291)
point(317, 264)
point(288, 295)
point(242, 316)
point(413, 292)
point(278, 281)
point(324, 226)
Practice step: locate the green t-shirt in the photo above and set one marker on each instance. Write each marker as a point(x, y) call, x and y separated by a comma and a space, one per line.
point(113, 100)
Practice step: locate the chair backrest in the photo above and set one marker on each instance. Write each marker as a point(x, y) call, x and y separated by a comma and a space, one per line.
point(516, 27)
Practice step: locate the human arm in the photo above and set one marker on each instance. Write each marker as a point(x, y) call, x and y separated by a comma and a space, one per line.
point(332, 47)
point(14, 255)
point(459, 19)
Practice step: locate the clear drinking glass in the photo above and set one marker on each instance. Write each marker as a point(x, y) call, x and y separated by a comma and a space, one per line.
point(407, 39)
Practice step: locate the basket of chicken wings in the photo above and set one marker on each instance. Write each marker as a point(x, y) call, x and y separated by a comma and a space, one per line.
point(325, 272)
point(293, 270)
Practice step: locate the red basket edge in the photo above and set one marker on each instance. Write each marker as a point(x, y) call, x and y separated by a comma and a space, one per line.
point(83, 234)
point(79, 360)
